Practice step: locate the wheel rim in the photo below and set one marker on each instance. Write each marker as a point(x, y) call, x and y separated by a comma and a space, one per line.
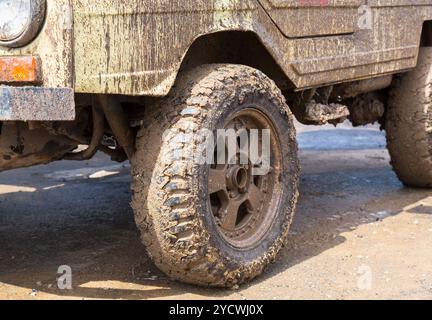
point(243, 204)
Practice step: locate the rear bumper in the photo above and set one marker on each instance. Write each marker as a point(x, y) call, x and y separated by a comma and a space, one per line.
point(36, 104)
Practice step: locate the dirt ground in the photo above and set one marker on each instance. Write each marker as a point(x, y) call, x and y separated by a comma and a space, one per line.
point(358, 233)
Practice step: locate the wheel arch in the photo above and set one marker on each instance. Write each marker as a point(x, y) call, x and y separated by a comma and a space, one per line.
point(235, 47)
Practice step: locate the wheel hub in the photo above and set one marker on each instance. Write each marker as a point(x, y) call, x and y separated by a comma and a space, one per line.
point(238, 179)
point(241, 201)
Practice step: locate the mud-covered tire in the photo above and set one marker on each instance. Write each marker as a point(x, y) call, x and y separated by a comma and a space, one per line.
point(409, 124)
point(170, 198)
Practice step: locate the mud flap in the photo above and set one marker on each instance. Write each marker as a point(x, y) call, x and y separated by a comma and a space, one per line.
point(36, 104)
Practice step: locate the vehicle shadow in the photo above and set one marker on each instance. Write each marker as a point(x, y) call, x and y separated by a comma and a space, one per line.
point(88, 225)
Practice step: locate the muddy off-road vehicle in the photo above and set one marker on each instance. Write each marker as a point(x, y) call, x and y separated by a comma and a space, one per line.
point(139, 80)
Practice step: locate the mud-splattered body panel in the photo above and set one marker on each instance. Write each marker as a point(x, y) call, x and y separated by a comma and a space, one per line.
point(136, 47)
point(305, 18)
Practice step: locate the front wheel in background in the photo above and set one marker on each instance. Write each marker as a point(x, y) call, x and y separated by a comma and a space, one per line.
point(216, 223)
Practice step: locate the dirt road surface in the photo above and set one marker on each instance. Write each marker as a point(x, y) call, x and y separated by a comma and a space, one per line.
point(358, 233)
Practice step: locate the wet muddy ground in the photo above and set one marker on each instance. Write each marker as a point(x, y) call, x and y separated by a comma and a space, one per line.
point(358, 233)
